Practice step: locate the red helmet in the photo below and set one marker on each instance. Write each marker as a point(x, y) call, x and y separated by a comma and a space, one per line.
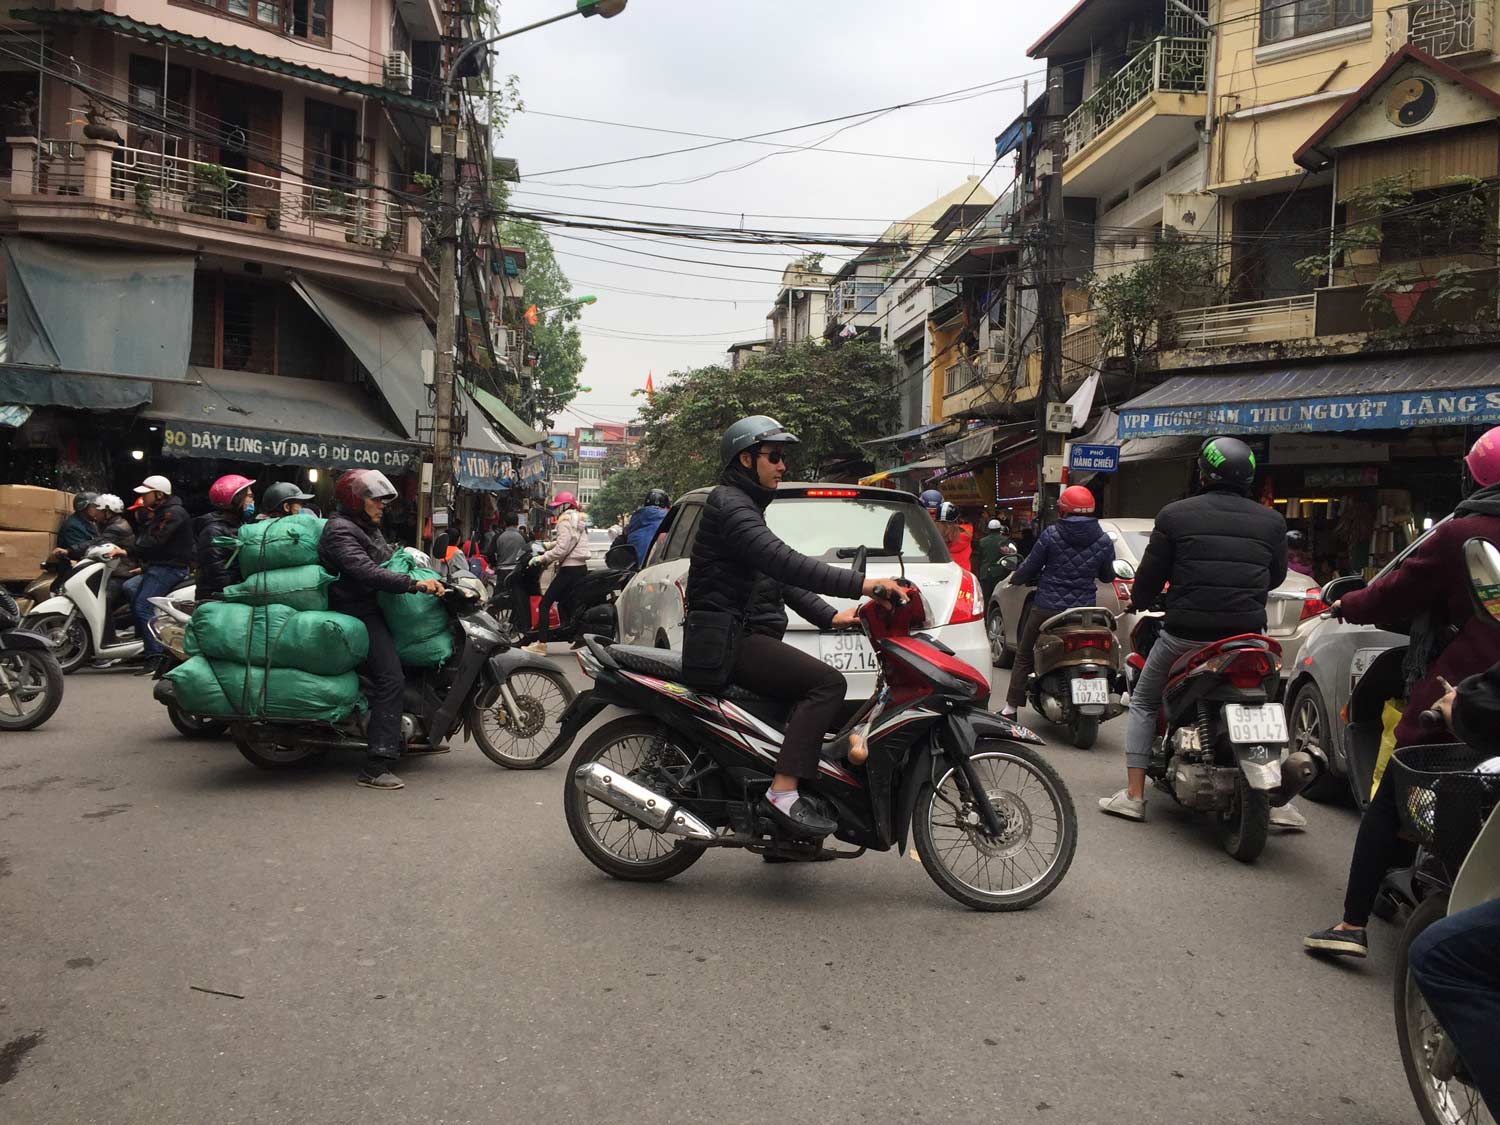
point(358, 485)
point(564, 500)
point(226, 490)
point(1075, 501)
point(1484, 458)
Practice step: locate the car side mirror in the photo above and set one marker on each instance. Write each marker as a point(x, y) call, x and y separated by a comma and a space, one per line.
point(1483, 560)
point(1339, 587)
point(895, 534)
point(1124, 571)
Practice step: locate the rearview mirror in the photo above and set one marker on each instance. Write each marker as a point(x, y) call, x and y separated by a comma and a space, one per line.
point(895, 533)
point(1339, 587)
point(1124, 571)
point(1483, 560)
point(621, 557)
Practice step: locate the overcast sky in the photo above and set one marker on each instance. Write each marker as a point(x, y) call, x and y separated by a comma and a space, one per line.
point(733, 69)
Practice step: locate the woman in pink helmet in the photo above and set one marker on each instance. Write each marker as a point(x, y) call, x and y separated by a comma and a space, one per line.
point(569, 552)
point(1430, 589)
point(233, 504)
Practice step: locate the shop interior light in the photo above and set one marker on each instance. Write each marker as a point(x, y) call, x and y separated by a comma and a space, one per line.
point(1306, 500)
point(137, 454)
point(312, 476)
point(153, 429)
point(1427, 524)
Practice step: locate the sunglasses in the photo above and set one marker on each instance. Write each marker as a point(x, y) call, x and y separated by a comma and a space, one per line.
point(776, 457)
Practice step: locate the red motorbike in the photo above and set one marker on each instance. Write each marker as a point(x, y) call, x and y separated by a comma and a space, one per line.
point(678, 772)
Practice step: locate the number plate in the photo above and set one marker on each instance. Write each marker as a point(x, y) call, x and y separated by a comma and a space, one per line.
point(848, 652)
point(1091, 691)
point(1265, 722)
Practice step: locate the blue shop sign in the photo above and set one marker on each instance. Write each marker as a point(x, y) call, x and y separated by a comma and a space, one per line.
point(1094, 458)
point(1401, 411)
point(482, 472)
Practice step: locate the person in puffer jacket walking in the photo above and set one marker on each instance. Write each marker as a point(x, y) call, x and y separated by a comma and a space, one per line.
point(1068, 560)
point(569, 552)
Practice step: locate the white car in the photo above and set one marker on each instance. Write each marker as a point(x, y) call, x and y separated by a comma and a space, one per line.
point(599, 540)
point(817, 520)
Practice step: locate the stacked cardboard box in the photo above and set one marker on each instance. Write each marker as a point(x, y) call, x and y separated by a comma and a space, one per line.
point(29, 518)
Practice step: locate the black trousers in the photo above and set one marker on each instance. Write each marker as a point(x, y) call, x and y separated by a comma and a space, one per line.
point(1020, 672)
point(560, 591)
point(778, 671)
point(387, 686)
point(1378, 847)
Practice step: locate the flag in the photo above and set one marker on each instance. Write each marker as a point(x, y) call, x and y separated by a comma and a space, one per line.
point(650, 386)
point(531, 317)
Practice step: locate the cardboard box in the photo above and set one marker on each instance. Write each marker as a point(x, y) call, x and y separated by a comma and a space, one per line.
point(22, 554)
point(25, 507)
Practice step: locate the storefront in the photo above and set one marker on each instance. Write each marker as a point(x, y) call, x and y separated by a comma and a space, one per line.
point(992, 472)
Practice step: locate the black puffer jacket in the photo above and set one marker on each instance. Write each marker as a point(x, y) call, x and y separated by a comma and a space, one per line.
point(215, 571)
point(353, 549)
point(735, 548)
point(1222, 553)
point(116, 531)
point(767, 615)
point(167, 537)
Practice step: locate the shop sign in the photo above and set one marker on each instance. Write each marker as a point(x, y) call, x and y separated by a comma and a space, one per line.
point(592, 453)
point(533, 469)
point(961, 489)
point(1316, 449)
point(472, 465)
point(194, 439)
point(1402, 411)
point(1094, 458)
point(1341, 476)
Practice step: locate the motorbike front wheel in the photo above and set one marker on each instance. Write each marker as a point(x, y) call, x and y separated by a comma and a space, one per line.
point(263, 750)
point(520, 741)
point(1243, 827)
point(31, 688)
point(1085, 731)
point(1017, 868)
point(193, 726)
point(68, 635)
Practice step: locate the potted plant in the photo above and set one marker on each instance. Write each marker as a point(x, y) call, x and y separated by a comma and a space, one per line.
point(144, 193)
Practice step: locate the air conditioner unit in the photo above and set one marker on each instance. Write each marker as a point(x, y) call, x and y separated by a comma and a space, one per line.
point(398, 72)
point(510, 342)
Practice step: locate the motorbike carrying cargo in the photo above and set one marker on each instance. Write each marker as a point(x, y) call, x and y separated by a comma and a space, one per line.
point(279, 544)
point(418, 622)
point(277, 636)
point(226, 688)
point(300, 587)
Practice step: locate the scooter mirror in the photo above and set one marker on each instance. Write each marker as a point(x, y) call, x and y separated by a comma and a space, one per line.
point(1124, 571)
point(621, 557)
point(895, 534)
point(1483, 560)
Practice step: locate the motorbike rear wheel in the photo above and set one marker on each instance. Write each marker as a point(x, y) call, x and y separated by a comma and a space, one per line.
point(520, 742)
point(1032, 855)
point(1085, 731)
point(31, 688)
point(194, 726)
point(1243, 828)
point(264, 751)
point(640, 748)
point(69, 637)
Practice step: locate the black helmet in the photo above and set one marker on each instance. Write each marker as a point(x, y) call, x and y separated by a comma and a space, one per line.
point(1295, 539)
point(82, 500)
point(656, 498)
point(1227, 460)
point(279, 493)
point(748, 433)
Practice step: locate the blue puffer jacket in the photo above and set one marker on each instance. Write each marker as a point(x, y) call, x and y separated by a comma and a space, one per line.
point(1067, 560)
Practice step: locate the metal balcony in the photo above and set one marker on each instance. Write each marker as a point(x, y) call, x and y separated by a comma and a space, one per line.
point(1169, 64)
point(1444, 29)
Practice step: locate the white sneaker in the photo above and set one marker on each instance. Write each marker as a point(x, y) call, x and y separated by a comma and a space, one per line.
point(1008, 712)
point(1288, 819)
point(1122, 805)
point(537, 648)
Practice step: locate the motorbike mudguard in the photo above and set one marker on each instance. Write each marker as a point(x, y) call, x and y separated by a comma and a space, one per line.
point(1261, 765)
point(58, 603)
point(586, 707)
point(989, 725)
point(509, 660)
point(17, 639)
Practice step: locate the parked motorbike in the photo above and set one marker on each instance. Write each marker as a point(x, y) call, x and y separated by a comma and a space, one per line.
point(31, 682)
point(169, 627)
point(38, 590)
point(86, 617)
point(683, 771)
point(507, 700)
point(1221, 744)
point(1079, 680)
point(592, 603)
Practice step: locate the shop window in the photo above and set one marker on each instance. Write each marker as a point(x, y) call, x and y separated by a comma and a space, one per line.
point(1281, 20)
point(301, 19)
point(1438, 223)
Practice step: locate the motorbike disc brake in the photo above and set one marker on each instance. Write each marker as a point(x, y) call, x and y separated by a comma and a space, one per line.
point(1015, 820)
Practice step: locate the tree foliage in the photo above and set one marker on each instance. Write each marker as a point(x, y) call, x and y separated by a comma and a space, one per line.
point(832, 398)
point(555, 338)
point(618, 497)
point(1134, 307)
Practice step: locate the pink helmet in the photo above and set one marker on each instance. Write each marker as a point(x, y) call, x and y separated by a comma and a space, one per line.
point(225, 489)
point(1484, 458)
point(564, 500)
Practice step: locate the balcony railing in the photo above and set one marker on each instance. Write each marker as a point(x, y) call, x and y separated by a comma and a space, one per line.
point(1442, 28)
point(1246, 322)
point(1166, 65)
point(853, 298)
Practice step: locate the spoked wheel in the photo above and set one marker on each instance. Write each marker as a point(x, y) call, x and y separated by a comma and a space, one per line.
point(195, 726)
point(261, 748)
point(520, 741)
point(68, 635)
point(1001, 655)
point(641, 750)
point(1030, 856)
point(1443, 1098)
point(1243, 827)
point(31, 688)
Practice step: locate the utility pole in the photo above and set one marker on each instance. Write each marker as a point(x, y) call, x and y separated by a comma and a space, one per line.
point(1047, 262)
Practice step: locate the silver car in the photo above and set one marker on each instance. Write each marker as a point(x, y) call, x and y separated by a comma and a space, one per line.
point(1292, 610)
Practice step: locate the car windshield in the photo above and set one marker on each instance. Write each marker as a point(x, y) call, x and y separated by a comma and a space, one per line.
point(819, 527)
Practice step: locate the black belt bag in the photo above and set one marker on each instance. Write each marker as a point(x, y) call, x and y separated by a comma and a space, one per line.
point(709, 641)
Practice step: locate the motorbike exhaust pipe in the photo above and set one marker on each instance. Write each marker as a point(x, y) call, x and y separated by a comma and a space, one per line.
point(1300, 770)
point(639, 803)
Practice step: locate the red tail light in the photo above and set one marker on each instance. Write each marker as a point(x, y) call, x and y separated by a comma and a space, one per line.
point(1123, 587)
point(833, 493)
point(1100, 641)
point(1136, 661)
point(1247, 670)
point(967, 606)
point(1313, 604)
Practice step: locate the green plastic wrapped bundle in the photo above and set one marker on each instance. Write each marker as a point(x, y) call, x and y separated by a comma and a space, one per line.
point(225, 688)
point(300, 587)
point(418, 622)
point(326, 644)
point(279, 544)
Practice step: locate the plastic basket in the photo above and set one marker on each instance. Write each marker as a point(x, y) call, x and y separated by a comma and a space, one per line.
point(1440, 799)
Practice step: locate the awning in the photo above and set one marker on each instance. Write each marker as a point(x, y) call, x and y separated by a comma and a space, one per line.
point(506, 419)
point(971, 447)
point(75, 390)
point(277, 421)
point(905, 435)
point(69, 17)
point(1386, 393)
point(92, 310)
point(924, 466)
point(389, 342)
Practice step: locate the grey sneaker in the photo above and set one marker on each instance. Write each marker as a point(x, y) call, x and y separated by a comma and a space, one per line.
point(377, 777)
point(1122, 805)
point(1288, 819)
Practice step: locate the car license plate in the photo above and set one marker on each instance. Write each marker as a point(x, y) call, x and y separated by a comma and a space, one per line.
point(1095, 690)
point(848, 652)
point(1248, 725)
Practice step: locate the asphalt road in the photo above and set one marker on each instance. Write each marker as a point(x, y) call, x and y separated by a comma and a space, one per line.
point(445, 954)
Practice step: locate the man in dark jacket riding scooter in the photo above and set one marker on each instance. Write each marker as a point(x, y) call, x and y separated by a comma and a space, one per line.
point(1068, 559)
point(353, 548)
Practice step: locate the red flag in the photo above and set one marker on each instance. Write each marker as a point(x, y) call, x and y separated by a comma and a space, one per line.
point(650, 386)
point(531, 317)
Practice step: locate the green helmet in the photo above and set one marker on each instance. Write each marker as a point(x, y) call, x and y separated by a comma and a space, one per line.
point(750, 432)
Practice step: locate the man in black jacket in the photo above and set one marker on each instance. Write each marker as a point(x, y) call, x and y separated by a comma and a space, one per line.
point(1223, 554)
point(164, 546)
point(353, 548)
point(734, 550)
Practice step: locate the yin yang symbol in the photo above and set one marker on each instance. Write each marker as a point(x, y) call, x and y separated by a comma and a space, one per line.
point(1411, 103)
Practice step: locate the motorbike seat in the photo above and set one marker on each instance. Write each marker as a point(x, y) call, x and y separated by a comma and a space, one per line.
point(667, 665)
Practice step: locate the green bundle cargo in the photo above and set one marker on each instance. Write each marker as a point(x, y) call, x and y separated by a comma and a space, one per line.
point(300, 587)
point(279, 544)
point(277, 636)
point(418, 622)
point(223, 688)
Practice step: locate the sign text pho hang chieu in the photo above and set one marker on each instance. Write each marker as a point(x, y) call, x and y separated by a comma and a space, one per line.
point(1401, 411)
point(193, 439)
point(1084, 458)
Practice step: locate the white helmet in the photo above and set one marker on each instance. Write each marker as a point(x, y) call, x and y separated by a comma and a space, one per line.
point(995, 525)
point(109, 502)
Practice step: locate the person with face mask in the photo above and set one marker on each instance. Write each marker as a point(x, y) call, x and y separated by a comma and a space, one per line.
point(233, 505)
point(283, 499)
point(353, 548)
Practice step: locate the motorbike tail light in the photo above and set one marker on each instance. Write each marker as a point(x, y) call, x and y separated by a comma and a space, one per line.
point(1313, 604)
point(1247, 670)
point(967, 606)
point(1136, 661)
point(1099, 641)
point(1123, 587)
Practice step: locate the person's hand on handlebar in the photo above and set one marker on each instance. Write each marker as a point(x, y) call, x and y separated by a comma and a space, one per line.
point(429, 586)
point(846, 618)
point(884, 589)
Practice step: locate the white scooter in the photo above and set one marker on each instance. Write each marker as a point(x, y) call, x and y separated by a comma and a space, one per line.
point(82, 619)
